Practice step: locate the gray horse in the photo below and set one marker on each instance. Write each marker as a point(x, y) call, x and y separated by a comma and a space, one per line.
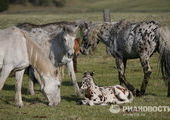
point(57, 40)
point(135, 40)
point(89, 32)
point(17, 52)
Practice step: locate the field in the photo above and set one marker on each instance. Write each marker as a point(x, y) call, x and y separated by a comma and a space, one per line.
point(102, 64)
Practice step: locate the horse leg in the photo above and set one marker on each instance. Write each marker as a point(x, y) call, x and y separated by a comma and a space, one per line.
point(75, 62)
point(168, 89)
point(124, 68)
point(147, 72)
point(18, 86)
point(38, 78)
point(121, 65)
point(4, 74)
point(62, 72)
point(31, 83)
point(73, 77)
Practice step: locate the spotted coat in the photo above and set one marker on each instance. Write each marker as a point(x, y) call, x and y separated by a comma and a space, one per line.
point(95, 95)
point(128, 40)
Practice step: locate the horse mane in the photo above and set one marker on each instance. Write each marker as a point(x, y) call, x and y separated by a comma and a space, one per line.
point(122, 24)
point(37, 57)
point(26, 24)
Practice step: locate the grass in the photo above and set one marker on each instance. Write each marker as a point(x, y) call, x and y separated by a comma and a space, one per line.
point(77, 6)
point(103, 66)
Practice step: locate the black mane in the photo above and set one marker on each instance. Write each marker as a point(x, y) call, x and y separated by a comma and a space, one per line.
point(44, 25)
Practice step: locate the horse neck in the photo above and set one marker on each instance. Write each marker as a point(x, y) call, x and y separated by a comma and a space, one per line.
point(92, 84)
point(106, 29)
point(38, 60)
point(57, 43)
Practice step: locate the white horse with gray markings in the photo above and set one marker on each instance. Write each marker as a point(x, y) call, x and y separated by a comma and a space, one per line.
point(57, 40)
point(127, 40)
point(17, 52)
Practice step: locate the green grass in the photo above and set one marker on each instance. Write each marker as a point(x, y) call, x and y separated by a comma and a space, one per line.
point(105, 74)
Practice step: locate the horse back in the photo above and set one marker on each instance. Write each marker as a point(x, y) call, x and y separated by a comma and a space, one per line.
point(134, 39)
point(13, 49)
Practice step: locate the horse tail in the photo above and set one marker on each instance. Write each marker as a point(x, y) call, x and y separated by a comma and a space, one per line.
point(164, 51)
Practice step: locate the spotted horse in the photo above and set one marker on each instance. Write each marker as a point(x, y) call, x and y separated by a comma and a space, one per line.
point(95, 95)
point(127, 40)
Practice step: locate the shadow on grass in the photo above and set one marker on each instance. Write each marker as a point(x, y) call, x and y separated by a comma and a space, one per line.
point(12, 88)
point(71, 98)
point(69, 83)
point(150, 94)
point(31, 101)
point(35, 100)
point(6, 101)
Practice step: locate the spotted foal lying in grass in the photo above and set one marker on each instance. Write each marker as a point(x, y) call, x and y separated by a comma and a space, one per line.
point(95, 95)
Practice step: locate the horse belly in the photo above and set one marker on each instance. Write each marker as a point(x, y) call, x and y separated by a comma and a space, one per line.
point(132, 54)
point(129, 50)
point(21, 59)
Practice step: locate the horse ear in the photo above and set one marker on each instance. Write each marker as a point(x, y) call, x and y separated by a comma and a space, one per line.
point(91, 73)
point(84, 73)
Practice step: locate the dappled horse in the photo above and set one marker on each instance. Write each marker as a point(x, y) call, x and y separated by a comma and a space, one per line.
point(134, 40)
point(57, 40)
point(17, 52)
point(89, 32)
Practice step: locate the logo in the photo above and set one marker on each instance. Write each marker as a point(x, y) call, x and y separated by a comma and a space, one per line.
point(114, 109)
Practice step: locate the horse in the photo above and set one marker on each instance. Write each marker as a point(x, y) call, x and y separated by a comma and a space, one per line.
point(95, 95)
point(88, 32)
point(57, 40)
point(76, 53)
point(127, 40)
point(17, 52)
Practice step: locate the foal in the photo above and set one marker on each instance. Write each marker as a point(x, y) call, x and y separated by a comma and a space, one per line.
point(95, 95)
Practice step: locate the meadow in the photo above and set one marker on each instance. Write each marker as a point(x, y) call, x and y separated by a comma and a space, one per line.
point(35, 107)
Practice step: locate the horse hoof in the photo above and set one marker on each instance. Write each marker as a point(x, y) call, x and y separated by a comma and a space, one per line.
point(20, 105)
point(138, 93)
point(80, 103)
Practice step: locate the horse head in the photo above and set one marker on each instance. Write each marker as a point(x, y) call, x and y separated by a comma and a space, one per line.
point(87, 81)
point(89, 39)
point(51, 88)
point(69, 37)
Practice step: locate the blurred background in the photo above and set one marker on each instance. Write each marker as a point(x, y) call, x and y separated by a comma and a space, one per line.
point(77, 6)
